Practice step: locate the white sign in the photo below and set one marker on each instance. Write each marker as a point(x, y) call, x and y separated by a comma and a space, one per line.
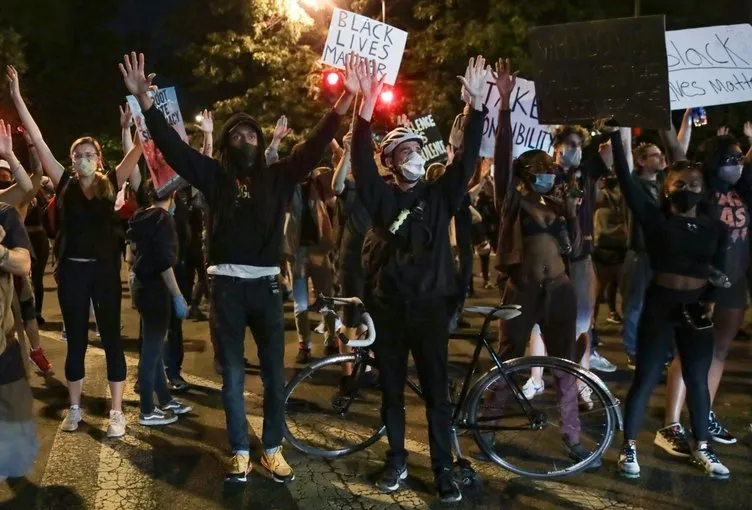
point(527, 133)
point(709, 66)
point(368, 38)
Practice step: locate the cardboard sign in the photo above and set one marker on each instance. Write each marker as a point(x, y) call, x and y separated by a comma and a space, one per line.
point(527, 132)
point(611, 68)
point(368, 38)
point(709, 66)
point(434, 150)
point(163, 177)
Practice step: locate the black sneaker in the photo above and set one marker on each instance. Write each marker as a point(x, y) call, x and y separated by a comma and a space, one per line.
point(578, 452)
point(447, 487)
point(673, 440)
point(303, 356)
point(718, 432)
point(391, 477)
point(177, 407)
point(157, 417)
point(178, 385)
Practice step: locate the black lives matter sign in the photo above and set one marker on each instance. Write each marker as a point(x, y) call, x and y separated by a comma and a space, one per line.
point(611, 68)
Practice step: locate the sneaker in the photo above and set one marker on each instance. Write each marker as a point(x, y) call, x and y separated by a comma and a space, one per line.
point(718, 432)
point(447, 487)
point(628, 465)
point(488, 285)
point(707, 459)
point(531, 389)
point(40, 360)
point(177, 407)
point(631, 363)
point(586, 397)
point(72, 419)
point(601, 364)
point(117, 424)
point(157, 417)
point(278, 466)
point(579, 452)
point(178, 384)
point(303, 356)
point(391, 477)
point(673, 440)
point(240, 466)
point(614, 318)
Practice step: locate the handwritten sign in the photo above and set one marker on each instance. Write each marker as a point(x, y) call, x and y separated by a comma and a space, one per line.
point(709, 66)
point(163, 177)
point(527, 132)
point(611, 68)
point(368, 38)
point(434, 150)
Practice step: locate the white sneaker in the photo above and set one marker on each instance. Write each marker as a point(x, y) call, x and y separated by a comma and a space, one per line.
point(707, 460)
point(117, 424)
point(586, 396)
point(601, 364)
point(71, 420)
point(628, 465)
point(531, 389)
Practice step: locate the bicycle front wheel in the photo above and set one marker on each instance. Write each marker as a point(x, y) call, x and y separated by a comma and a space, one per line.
point(326, 418)
point(532, 434)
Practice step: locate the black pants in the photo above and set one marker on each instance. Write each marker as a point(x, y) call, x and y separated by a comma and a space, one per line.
point(155, 308)
point(41, 245)
point(174, 354)
point(78, 284)
point(257, 303)
point(419, 327)
point(659, 324)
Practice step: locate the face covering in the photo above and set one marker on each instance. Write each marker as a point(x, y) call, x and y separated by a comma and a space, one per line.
point(730, 173)
point(86, 167)
point(571, 157)
point(684, 200)
point(543, 183)
point(612, 182)
point(244, 157)
point(413, 168)
point(5, 184)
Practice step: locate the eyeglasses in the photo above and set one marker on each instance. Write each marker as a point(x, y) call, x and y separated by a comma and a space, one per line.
point(86, 155)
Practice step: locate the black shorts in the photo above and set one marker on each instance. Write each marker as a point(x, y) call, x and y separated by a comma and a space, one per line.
point(733, 298)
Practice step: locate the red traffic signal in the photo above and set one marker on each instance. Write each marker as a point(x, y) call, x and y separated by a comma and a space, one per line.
point(332, 79)
point(387, 97)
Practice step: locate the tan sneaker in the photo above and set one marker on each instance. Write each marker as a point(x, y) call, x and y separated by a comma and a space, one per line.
point(278, 467)
point(240, 466)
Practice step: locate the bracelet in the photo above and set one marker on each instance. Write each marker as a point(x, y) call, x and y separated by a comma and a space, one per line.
point(4, 257)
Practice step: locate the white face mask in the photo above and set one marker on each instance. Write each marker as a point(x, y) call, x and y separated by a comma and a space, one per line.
point(730, 173)
point(86, 167)
point(571, 157)
point(413, 168)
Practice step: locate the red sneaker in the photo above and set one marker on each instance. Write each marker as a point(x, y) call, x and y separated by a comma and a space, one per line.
point(40, 360)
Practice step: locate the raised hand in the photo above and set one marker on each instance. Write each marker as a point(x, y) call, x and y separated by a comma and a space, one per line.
point(134, 77)
point(206, 125)
point(403, 121)
point(475, 77)
point(607, 155)
point(505, 79)
point(15, 86)
point(347, 141)
point(748, 129)
point(370, 83)
point(350, 78)
point(6, 141)
point(722, 131)
point(126, 120)
point(281, 130)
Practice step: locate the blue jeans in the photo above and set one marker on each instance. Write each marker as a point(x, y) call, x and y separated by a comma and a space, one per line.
point(256, 303)
point(637, 276)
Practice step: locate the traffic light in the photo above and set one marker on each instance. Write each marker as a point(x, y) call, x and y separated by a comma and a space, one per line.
point(332, 80)
point(387, 97)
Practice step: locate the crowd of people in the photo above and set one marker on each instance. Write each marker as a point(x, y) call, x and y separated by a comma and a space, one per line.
point(251, 226)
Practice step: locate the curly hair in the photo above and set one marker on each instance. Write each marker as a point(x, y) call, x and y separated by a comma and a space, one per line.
point(561, 133)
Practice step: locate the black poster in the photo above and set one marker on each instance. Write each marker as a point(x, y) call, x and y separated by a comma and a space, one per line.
point(434, 150)
point(610, 68)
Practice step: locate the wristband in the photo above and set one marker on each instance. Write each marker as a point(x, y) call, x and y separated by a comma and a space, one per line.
point(5, 256)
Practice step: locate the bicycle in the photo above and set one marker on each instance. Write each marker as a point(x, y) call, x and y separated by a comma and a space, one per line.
point(337, 437)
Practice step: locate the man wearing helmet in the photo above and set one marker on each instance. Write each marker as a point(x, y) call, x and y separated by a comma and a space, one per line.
point(410, 275)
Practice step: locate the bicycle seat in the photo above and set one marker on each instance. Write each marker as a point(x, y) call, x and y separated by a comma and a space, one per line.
point(504, 312)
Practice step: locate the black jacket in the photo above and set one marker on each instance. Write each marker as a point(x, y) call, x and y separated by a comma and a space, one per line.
point(155, 242)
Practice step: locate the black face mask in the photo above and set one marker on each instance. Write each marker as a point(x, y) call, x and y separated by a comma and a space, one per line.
point(684, 200)
point(5, 184)
point(244, 158)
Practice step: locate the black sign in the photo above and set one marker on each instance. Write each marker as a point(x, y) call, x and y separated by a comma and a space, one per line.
point(434, 150)
point(611, 68)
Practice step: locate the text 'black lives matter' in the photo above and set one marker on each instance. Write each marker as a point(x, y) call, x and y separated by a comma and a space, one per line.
point(610, 68)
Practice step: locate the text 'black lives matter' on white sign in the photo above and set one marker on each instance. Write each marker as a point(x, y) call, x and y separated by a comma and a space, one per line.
point(709, 66)
point(434, 150)
point(368, 38)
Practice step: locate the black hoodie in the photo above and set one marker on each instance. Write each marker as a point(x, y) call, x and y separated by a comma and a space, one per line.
point(155, 242)
point(248, 214)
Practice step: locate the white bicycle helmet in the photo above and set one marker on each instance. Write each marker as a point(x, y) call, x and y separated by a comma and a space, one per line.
point(396, 137)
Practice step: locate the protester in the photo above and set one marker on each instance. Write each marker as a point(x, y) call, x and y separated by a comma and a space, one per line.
point(247, 200)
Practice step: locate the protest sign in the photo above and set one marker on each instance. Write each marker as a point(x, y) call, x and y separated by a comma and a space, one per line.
point(527, 132)
point(709, 66)
point(164, 179)
point(434, 150)
point(368, 38)
point(611, 68)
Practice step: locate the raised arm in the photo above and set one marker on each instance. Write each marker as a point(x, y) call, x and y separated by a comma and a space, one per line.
point(280, 132)
point(129, 165)
point(6, 152)
point(503, 155)
point(671, 143)
point(52, 166)
point(685, 131)
point(344, 165)
point(207, 128)
point(638, 201)
point(626, 143)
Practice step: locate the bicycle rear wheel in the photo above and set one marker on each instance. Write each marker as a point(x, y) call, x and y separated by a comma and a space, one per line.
point(325, 421)
point(528, 440)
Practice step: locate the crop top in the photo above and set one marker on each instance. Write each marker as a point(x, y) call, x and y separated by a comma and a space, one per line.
point(675, 244)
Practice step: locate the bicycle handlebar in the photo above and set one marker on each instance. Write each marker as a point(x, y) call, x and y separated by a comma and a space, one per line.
point(365, 319)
